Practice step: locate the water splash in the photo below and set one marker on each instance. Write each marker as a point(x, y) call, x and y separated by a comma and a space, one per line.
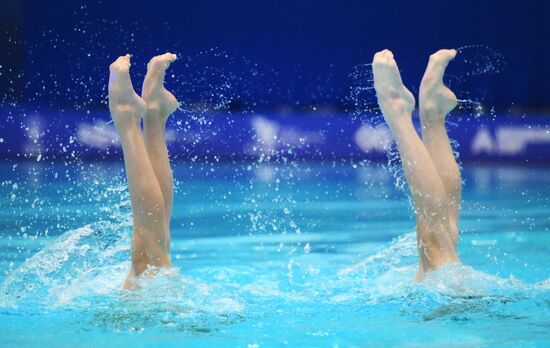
point(361, 97)
point(71, 264)
point(476, 59)
point(83, 270)
point(472, 63)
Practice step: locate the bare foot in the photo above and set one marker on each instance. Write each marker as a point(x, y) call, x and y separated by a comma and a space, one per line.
point(125, 105)
point(436, 100)
point(394, 99)
point(158, 98)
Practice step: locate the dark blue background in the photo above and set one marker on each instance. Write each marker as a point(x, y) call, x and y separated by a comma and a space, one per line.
point(304, 51)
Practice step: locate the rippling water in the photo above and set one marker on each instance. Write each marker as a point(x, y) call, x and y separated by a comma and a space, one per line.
point(270, 255)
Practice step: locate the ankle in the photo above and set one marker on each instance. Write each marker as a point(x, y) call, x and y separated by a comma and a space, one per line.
point(431, 116)
point(128, 131)
point(398, 120)
point(432, 124)
point(124, 122)
point(154, 117)
point(154, 127)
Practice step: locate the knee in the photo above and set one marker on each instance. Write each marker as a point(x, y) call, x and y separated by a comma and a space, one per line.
point(150, 190)
point(151, 201)
point(453, 230)
point(435, 235)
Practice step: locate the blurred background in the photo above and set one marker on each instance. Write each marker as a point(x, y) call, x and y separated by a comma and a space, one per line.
point(285, 60)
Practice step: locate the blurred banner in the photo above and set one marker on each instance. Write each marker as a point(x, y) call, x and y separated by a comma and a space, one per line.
point(47, 136)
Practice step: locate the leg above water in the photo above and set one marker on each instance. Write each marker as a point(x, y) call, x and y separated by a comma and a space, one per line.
point(434, 237)
point(160, 104)
point(436, 101)
point(149, 242)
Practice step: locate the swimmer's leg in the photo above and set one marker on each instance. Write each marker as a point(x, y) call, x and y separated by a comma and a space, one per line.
point(436, 101)
point(435, 244)
point(149, 244)
point(160, 104)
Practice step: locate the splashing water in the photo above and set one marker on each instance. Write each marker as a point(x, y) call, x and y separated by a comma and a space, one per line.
point(250, 277)
point(362, 96)
point(473, 61)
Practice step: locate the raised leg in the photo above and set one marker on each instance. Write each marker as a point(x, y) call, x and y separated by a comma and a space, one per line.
point(435, 243)
point(149, 243)
point(160, 104)
point(436, 101)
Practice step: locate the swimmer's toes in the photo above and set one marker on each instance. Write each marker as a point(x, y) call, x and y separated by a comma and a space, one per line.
point(160, 63)
point(437, 65)
point(379, 58)
point(121, 65)
point(445, 55)
point(154, 93)
point(393, 97)
point(436, 99)
point(119, 76)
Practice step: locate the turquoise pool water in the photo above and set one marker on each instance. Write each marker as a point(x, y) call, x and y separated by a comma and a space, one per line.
point(300, 255)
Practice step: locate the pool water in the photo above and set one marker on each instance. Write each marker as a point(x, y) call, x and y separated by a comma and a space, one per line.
point(297, 254)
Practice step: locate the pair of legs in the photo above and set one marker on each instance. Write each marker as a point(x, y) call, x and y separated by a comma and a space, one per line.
point(145, 157)
point(429, 164)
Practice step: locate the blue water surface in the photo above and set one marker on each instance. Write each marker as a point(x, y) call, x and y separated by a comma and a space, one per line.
point(298, 254)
